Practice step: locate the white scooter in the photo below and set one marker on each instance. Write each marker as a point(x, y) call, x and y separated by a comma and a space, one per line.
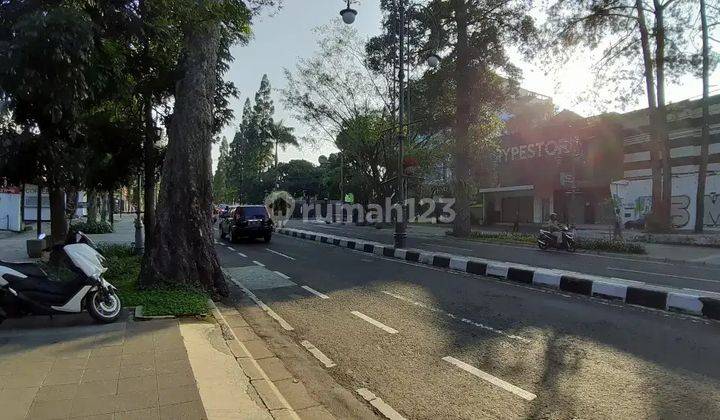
point(25, 288)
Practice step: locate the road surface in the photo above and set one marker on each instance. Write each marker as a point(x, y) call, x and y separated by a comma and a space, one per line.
point(438, 344)
point(630, 267)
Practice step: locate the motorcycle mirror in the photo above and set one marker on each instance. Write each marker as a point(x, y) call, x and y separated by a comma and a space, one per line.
point(42, 236)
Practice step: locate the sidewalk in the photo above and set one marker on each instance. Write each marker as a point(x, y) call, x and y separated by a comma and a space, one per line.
point(214, 368)
point(122, 370)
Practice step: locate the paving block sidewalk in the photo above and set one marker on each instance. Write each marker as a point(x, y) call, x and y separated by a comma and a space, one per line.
point(125, 370)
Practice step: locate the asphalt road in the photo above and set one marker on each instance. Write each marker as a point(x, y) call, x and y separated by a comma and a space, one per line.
point(636, 268)
point(437, 344)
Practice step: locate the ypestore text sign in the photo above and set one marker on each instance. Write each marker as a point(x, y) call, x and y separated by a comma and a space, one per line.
point(540, 150)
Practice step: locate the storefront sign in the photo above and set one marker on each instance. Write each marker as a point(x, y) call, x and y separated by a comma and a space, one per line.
point(540, 150)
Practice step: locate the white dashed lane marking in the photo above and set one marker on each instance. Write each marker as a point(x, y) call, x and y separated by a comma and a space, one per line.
point(379, 404)
point(375, 322)
point(507, 386)
point(318, 354)
point(286, 277)
point(315, 292)
point(259, 263)
point(280, 254)
point(453, 316)
point(263, 306)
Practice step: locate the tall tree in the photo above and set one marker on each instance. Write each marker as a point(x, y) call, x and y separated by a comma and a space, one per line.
point(251, 151)
point(182, 251)
point(705, 136)
point(638, 41)
point(476, 35)
point(221, 188)
point(46, 57)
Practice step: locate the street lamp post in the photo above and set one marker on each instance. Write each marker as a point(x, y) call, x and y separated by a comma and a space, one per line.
point(348, 15)
point(400, 231)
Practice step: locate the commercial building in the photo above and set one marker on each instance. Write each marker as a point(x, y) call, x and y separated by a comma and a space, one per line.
point(633, 190)
point(563, 165)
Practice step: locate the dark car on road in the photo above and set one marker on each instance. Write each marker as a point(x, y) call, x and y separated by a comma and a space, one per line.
point(249, 221)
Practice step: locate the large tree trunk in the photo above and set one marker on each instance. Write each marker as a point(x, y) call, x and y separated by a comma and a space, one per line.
point(92, 206)
point(461, 224)
point(58, 222)
point(705, 140)
point(661, 117)
point(111, 207)
point(149, 166)
point(182, 248)
point(103, 208)
point(655, 145)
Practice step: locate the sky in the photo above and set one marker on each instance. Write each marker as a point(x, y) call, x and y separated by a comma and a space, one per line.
point(284, 36)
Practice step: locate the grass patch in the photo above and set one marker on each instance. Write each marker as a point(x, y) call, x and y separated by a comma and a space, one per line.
point(123, 272)
point(604, 245)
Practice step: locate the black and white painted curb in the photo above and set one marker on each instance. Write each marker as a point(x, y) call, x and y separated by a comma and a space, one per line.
point(632, 292)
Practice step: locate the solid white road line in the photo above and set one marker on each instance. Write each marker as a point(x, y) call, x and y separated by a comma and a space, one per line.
point(664, 275)
point(318, 354)
point(259, 263)
point(280, 254)
point(241, 254)
point(263, 306)
point(282, 275)
point(315, 292)
point(507, 386)
point(379, 404)
point(374, 322)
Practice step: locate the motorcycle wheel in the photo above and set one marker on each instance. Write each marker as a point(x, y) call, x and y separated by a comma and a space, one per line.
point(542, 245)
point(105, 309)
point(570, 246)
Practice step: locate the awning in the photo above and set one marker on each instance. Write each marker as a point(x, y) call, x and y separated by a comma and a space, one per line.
point(507, 189)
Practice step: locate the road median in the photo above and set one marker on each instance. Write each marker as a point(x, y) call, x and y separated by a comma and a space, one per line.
point(703, 304)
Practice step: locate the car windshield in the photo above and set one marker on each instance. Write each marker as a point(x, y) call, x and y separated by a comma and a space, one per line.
point(255, 212)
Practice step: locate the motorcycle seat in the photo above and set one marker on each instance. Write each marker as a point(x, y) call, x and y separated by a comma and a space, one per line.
point(44, 285)
point(28, 269)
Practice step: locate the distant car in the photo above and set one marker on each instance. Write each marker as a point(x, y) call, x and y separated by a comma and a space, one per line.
point(250, 221)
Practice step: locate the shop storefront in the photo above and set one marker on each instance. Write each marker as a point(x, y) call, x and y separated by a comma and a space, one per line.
point(564, 166)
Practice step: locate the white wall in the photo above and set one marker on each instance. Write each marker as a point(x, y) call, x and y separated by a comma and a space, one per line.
point(10, 212)
point(635, 197)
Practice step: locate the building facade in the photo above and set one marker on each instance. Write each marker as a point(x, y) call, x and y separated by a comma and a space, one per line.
point(633, 191)
point(563, 165)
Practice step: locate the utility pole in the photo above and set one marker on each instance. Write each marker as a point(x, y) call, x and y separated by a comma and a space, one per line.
point(400, 234)
point(277, 174)
point(342, 178)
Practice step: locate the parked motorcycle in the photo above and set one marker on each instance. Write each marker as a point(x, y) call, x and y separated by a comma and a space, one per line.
point(547, 239)
point(25, 288)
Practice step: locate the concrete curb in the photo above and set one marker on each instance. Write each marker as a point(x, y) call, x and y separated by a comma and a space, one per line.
point(638, 257)
point(634, 293)
point(244, 353)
